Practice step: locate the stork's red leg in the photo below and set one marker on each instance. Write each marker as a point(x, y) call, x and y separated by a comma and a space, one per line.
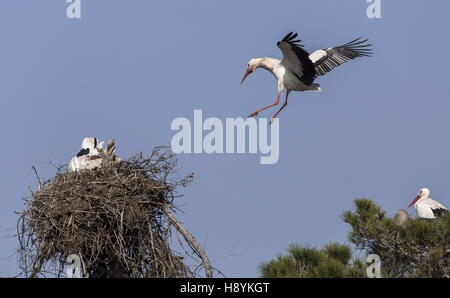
point(282, 107)
point(274, 104)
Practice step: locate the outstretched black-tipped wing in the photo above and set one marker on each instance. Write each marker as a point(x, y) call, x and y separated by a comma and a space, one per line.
point(296, 59)
point(327, 59)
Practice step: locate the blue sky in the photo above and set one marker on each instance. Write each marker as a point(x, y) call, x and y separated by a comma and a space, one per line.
point(126, 69)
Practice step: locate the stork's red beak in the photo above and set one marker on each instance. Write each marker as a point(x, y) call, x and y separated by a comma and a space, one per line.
point(249, 71)
point(414, 201)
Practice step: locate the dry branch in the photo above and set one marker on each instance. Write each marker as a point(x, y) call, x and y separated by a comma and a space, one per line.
point(191, 240)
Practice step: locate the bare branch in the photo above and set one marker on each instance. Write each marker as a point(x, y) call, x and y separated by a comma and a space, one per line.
point(191, 240)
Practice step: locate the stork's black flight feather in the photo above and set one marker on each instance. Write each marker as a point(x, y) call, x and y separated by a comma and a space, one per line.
point(328, 59)
point(305, 64)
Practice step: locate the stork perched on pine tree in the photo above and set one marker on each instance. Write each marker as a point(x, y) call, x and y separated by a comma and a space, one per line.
point(426, 207)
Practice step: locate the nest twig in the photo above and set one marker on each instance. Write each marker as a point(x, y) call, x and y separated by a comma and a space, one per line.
point(116, 218)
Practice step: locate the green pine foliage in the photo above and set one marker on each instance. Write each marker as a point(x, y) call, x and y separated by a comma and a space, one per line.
point(334, 261)
point(415, 248)
point(421, 248)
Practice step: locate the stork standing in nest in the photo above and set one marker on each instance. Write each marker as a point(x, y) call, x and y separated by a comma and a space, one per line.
point(92, 155)
point(88, 157)
point(298, 69)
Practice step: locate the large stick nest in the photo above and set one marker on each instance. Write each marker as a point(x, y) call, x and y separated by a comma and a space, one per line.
point(115, 218)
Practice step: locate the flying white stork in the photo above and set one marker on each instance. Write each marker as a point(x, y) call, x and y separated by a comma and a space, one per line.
point(298, 69)
point(427, 208)
point(89, 156)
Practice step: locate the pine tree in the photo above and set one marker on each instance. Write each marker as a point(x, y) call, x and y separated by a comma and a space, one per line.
point(418, 248)
point(407, 247)
point(333, 261)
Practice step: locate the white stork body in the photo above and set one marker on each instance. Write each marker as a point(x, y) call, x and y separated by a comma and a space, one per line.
point(298, 69)
point(426, 207)
point(89, 156)
point(286, 79)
